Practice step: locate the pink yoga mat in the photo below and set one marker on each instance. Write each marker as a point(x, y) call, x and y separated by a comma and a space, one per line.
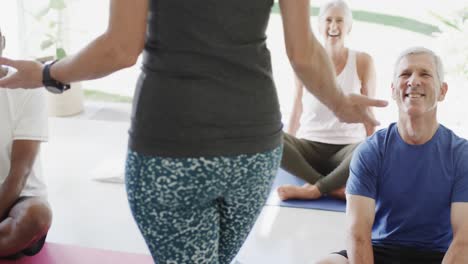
point(53, 253)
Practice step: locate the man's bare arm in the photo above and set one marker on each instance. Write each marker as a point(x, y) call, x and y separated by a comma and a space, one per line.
point(360, 213)
point(458, 250)
point(23, 156)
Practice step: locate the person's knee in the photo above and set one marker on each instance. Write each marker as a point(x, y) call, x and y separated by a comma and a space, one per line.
point(36, 217)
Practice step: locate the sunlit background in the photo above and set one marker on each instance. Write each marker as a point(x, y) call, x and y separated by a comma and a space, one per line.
point(86, 19)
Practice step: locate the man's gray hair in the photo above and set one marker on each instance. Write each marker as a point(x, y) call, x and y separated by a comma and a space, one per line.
point(421, 50)
point(337, 3)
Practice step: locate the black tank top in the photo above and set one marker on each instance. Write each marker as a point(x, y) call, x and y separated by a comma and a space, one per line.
point(206, 87)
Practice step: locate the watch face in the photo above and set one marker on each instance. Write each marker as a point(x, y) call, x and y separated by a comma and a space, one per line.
point(54, 90)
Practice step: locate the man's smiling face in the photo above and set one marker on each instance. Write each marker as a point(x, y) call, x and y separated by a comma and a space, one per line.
point(416, 87)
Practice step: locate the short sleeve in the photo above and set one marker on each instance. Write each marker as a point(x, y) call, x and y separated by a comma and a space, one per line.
point(460, 188)
point(364, 169)
point(30, 115)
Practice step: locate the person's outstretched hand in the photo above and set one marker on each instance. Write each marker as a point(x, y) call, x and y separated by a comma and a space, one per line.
point(354, 108)
point(28, 74)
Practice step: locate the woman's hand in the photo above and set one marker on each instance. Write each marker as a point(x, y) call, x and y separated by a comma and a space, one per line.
point(28, 74)
point(354, 108)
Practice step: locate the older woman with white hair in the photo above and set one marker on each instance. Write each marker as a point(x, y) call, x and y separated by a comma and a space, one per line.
point(318, 147)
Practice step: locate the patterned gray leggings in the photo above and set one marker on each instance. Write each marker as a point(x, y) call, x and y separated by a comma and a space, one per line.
point(198, 210)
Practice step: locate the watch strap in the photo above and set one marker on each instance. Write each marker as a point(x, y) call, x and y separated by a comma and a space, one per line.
point(50, 83)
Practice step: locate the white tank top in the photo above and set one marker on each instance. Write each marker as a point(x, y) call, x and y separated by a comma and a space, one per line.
point(319, 124)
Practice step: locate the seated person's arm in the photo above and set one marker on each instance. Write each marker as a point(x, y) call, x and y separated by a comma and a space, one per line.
point(23, 155)
point(458, 250)
point(294, 120)
point(360, 213)
point(367, 75)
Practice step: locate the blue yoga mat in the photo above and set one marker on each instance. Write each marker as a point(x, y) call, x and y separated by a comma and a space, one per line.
point(324, 203)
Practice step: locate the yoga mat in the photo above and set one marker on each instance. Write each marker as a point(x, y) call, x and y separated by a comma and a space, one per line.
point(53, 253)
point(324, 203)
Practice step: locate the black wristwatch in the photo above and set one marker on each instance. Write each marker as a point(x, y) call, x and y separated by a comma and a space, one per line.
point(50, 83)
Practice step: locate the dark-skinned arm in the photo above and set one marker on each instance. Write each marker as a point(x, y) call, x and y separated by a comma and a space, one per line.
point(23, 156)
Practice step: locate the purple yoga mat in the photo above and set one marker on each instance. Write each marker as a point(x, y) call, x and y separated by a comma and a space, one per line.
point(53, 253)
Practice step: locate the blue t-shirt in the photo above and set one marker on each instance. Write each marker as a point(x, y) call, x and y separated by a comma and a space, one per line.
point(413, 186)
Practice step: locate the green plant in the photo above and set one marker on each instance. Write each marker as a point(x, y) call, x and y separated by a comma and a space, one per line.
point(456, 22)
point(454, 41)
point(51, 15)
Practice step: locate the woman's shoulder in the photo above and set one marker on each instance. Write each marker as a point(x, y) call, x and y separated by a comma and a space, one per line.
point(363, 58)
point(364, 63)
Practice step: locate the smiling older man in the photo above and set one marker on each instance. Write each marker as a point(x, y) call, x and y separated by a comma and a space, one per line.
point(408, 187)
point(25, 216)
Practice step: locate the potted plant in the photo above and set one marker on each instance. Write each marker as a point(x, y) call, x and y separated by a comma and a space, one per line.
point(48, 35)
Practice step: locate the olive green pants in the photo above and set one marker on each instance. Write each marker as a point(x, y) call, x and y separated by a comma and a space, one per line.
point(325, 165)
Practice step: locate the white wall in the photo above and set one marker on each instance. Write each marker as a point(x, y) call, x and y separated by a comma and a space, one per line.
point(9, 24)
